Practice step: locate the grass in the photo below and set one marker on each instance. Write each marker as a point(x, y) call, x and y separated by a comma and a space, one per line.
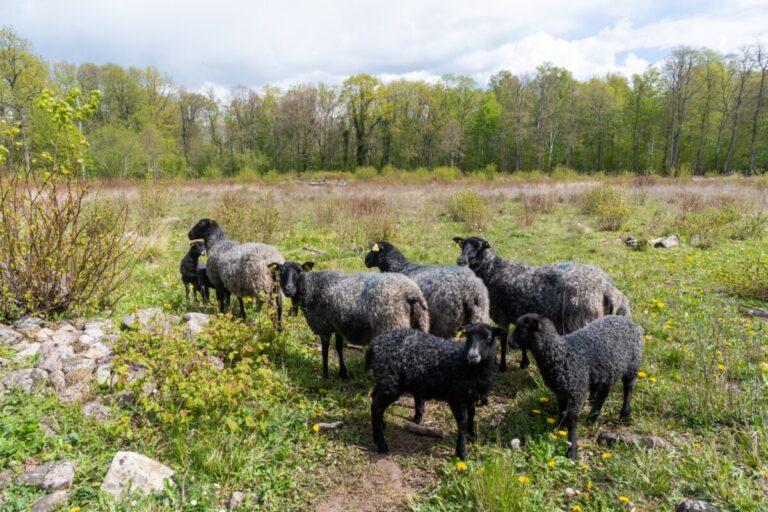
point(704, 390)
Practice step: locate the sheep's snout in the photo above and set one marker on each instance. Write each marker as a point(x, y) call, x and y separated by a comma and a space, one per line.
point(474, 356)
point(462, 261)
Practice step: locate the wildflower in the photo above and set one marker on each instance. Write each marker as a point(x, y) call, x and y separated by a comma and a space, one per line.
point(576, 508)
point(323, 391)
point(551, 420)
point(585, 467)
point(589, 485)
point(543, 399)
point(623, 499)
point(74, 509)
point(606, 456)
point(515, 443)
point(523, 479)
point(727, 343)
point(764, 366)
point(536, 411)
point(552, 437)
point(461, 466)
point(562, 432)
point(193, 503)
point(652, 380)
point(569, 491)
point(551, 463)
point(660, 304)
point(315, 428)
point(721, 367)
point(641, 374)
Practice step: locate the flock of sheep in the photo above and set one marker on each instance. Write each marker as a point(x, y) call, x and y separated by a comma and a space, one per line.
point(570, 316)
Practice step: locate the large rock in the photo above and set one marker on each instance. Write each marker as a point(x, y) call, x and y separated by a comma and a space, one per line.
point(641, 441)
point(9, 336)
point(51, 502)
point(689, 505)
point(5, 478)
point(151, 320)
point(103, 373)
point(195, 323)
point(77, 362)
point(49, 477)
point(28, 380)
point(97, 411)
point(74, 394)
point(27, 350)
point(44, 334)
point(97, 350)
point(57, 380)
point(24, 323)
point(132, 471)
point(52, 353)
point(66, 335)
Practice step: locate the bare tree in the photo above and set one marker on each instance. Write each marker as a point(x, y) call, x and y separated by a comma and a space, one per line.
point(743, 66)
point(761, 60)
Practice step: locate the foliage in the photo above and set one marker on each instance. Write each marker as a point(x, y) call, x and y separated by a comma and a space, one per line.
point(59, 248)
point(248, 217)
point(746, 277)
point(469, 208)
point(608, 205)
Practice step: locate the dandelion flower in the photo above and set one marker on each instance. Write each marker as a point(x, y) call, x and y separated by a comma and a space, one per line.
point(74, 509)
point(536, 411)
point(764, 366)
point(589, 485)
point(515, 443)
point(461, 466)
point(315, 428)
point(641, 374)
point(523, 479)
point(576, 508)
point(551, 463)
point(585, 466)
point(652, 380)
point(721, 367)
point(193, 503)
point(543, 399)
point(551, 421)
point(562, 432)
point(624, 499)
point(606, 456)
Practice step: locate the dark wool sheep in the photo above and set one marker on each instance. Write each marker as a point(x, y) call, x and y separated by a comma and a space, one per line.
point(239, 269)
point(455, 295)
point(587, 361)
point(433, 368)
point(357, 307)
point(189, 271)
point(569, 294)
point(202, 280)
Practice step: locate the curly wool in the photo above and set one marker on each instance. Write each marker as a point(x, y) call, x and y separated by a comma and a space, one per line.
point(455, 295)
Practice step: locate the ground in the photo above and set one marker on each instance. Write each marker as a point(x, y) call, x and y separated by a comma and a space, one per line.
point(702, 388)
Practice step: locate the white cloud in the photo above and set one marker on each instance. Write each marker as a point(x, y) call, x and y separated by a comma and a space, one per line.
point(234, 42)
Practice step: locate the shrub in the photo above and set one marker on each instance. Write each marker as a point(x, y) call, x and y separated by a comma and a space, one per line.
point(707, 225)
point(366, 173)
point(248, 219)
point(375, 217)
point(470, 208)
point(446, 174)
point(747, 278)
point(60, 247)
point(153, 205)
point(608, 205)
point(535, 204)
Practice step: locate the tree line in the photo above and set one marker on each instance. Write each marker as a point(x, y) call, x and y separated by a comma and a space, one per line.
point(698, 112)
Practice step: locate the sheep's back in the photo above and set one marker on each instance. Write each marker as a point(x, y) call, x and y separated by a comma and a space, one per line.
point(244, 269)
point(217, 258)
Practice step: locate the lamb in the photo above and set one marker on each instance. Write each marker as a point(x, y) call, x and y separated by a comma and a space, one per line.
point(189, 267)
point(570, 294)
point(454, 294)
point(589, 360)
point(357, 307)
point(202, 280)
point(238, 269)
point(430, 367)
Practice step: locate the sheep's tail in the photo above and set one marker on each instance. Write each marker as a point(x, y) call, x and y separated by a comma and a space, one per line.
point(419, 313)
point(368, 357)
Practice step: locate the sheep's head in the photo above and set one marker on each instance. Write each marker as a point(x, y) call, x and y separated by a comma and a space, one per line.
point(527, 328)
point(480, 344)
point(289, 274)
point(377, 253)
point(202, 229)
point(472, 249)
point(197, 248)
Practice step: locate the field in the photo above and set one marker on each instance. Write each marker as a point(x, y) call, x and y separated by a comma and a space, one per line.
point(703, 387)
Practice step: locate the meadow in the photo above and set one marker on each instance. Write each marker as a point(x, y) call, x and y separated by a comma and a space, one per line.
point(249, 428)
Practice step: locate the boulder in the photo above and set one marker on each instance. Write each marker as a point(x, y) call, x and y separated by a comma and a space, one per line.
point(28, 321)
point(195, 323)
point(28, 380)
point(9, 336)
point(132, 471)
point(77, 362)
point(49, 477)
point(73, 394)
point(151, 320)
point(51, 502)
point(52, 353)
point(44, 334)
point(689, 505)
point(57, 380)
point(97, 350)
point(97, 411)
point(103, 372)
point(26, 350)
point(66, 335)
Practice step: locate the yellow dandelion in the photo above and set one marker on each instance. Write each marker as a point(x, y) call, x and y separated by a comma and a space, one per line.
point(721, 367)
point(660, 304)
point(74, 509)
point(606, 456)
point(562, 432)
point(536, 411)
point(652, 380)
point(523, 479)
point(585, 467)
point(461, 466)
point(624, 499)
point(696, 445)
point(552, 437)
point(727, 343)
point(543, 399)
point(764, 366)
point(576, 508)
point(589, 485)
point(641, 374)
point(551, 421)
point(551, 463)
point(315, 428)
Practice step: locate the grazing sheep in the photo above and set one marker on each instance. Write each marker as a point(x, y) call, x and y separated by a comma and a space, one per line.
point(455, 295)
point(188, 268)
point(357, 307)
point(202, 280)
point(569, 294)
point(589, 360)
point(429, 367)
point(238, 269)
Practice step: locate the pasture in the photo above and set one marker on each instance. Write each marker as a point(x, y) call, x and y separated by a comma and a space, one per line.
point(703, 389)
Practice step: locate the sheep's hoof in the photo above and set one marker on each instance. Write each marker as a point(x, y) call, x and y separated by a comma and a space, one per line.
point(344, 375)
point(382, 448)
point(462, 455)
point(417, 419)
point(484, 401)
point(503, 367)
point(571, 453)
point(624, 418)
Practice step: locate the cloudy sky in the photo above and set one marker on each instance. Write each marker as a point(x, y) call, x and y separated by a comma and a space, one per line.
point(230, 42)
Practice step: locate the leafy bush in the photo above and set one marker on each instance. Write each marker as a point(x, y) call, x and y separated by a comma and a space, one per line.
point(470, 208)
point(248, 219)
point(534, 204)
point(708, 225)
point(608, 205)
point(748, 278)
point(446, 174)
point(365, 173)
point(59, 246)
point(375, 217)
point(153, 205)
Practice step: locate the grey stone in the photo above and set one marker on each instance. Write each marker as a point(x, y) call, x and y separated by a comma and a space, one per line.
point(610, 438)
point(50, 477)
point(9, 336)
point(44, 334)
point(30, 331)
point(97, 351)
point(23, 323)
point(216, 362)
point(57, 380)
point(104, 325)
point(26, 350)
point(5, 478)
point(151, 320)
point(77, 362)
point(73, 394)
point(235, 500)
point(80, 376)
point(195, 323)
point(132, 471)
point(51, 502)
point(28, 380)
point(97, 411)
point(103, 372)
point(689, 505)
point(52, 353)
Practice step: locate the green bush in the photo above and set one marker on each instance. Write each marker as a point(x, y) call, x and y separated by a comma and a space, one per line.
point(248, 219)
point(748, 278)
point(366, 173)
point(707, 225)
point(608, 205)
point(469, 208)
point(446, 174)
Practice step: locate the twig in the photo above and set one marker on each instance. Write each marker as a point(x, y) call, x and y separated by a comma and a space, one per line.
point(424, 431)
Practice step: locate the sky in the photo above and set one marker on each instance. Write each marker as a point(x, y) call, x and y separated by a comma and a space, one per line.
point(224, 43)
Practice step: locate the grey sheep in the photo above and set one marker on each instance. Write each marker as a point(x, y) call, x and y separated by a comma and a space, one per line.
point(430, 367)
point(238, 269)
point(569, 294)
point(455, 295)
point(587, 361)
point(357, 307)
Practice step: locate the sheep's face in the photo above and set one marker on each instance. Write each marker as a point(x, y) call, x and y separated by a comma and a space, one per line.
point(480, 344)
point(197, 248)
point(201, 229)
point(526, 328)
point(377, 253)
point(289, 274)
point(472, 250)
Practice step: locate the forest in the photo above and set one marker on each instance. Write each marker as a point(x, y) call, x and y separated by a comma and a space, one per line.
point(696, 113)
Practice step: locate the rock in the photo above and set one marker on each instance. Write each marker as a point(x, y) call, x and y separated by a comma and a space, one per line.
point(216, 362)
point(30, 331)
point(5, 478)
point(57, 380)
point(51, 502)
point(610, 438)
point(27, 350)
point(80, 376)
point(44, 334)
point(689, 505)
point(77, 362)
point(9, 336)
point(195, 323)
point(52, 353)
point(125, 397)
point(28, 380)
point(103, 372)
point(50, 477)
point(97, 411)
point(665, 243)
point(135, 472)
point(28, 321)
point(235, 500)
point(97, 351)
point(104, 325)
point(74, 393)
point(151, 320)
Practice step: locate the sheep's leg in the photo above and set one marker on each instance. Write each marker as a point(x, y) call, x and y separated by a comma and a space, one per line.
point(524, 362)
point(379, 404)
point(460, 413)
point(562, 406)
point(340, 351)
point(325, 342)
point(471, 420)
point(242, 307)
point(601, 393)
point(186, 293)
point(629, 387)
point(418, 405)
point(279, 304)
point(503, 365)
point(221, 296)
point(571, 418)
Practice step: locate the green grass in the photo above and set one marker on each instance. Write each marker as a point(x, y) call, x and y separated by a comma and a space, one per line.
point(705, 388)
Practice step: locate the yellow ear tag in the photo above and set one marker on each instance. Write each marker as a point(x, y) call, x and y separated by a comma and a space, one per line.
point(272, 267)
point(459, 334)
point(458, 244)
point(375, 248)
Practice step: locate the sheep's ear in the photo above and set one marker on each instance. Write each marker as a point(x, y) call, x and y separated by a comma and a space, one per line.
point(458, 240)
point(500, 332)
point(532, 323)
point(308, 265)
point(486, 245)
